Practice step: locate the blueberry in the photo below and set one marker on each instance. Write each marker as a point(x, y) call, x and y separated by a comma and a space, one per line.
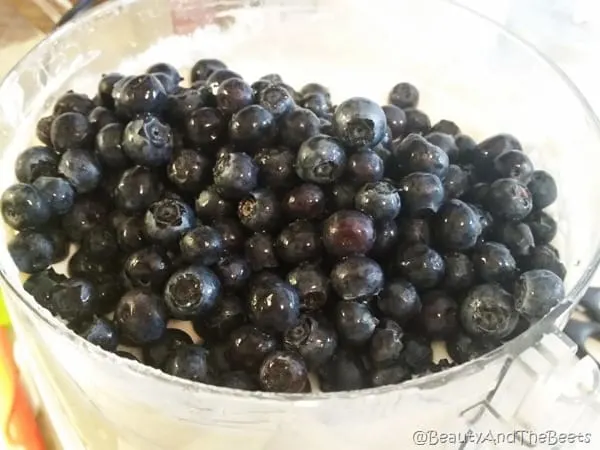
point(189, 362)
point(86, 213)
point(31, 252)
point(283, 371)
point(248, 347)
point(61, 244)
point(228, 314)
point(36, 162)
point(466, 147)
point(205, 126)
point(314, 339)
point(542, 226)
point(202, 245)
point(43, 130)
point(276, 100)
point(157, 352)
point(204, 68)
point(414, 231)
point(305, 201)
point(239, 380)
point(485, 219)
point(232, 233)
point(422, 193)
point(380, 200)
point(130, 234)
point(40, 285)
point(109, 290)
point(543, 189)
point(399, 300)
point(101, 332)
point(457, 225)
point(356, 277)
point(211, 206)
point(73, 300)
point(100, 243)
point(109, 146)
point(417, 121)
point(514, 164)
point(344, 372)
point(364, 167)
point(297, 126)
point(233, 272)
point(167, 220)
point(258, 86)
point(421, 265)
point(493, 262)
point(24, 206)
point(299, 241)
point(73, 102)
point(321, 159)
point(415, 154)
point(232, 95)
point(82, 264)
point(508, 199)
point(417, 353)
point(82, 169)
point(276, 167)
point(141, 317)
point(71, 131)
point(489, 149)
point(147, 268)
point(386, 232)
point(396, 120)
point(462, 347)
point(404, 95)
point(516, 236)
point(314, 88)
point(189, 170)
point(148, 141)
point(273, 304)
point(191, 292)
point(446, 142)
point(456, 182)
point(488, 312)
point(319, 104)
point(341, 196)
point(438, 315)
point(544, 257)
point(312, 285)
point(182, 104)
point(141, 94)
point(57, 192)
point(359, 122)
point(217, 77)
point(105, 88)
point(260, 210)
point(446, 127)
point(477, 194)
point(252, 127)
point(537, 292)
point(101, 117)
point(165, 69)
point(354, 322)
point(260, 253)
point(386, 343)
point(459, 274)
point(393, 374)
point(235, 174)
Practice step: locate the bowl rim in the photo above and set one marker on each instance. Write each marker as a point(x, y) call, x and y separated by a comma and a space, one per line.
point(522, 341)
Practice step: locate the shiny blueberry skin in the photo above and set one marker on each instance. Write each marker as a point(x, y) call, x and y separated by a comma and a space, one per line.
point(312, 285)
point(105, 88)
point(130, 234)
point(457, 225)
point(321, 159)
point(359, 122)
point(189, 362)
point(43, 130)
point(393, 374)
point(148, 141)
point(283, 371)
point(31, 252)
point(259, 252)
point(299, 241)
point(82, 264)
point(167, 220)
point(228, 314)
point(109, 289)
point(489, 149)
point(167, 69)
point(414, 231)
point(314, 339)
point(306, 201)
point(421, 265)
point(542, 226)
point(210, 206)
point(344, 372)
point(73, 300)
point(417, 354)
point(71, 131)
point(404, 95)
point(147, 268)
point(252, 127)
point(364, 167)
point(456, 182)
point(460, 274)
point(537, 292)
point(202, 245)
point(417, 121)
point(101, 332)
point(109, 146)
point(204, 68)
point(100, 243)
point(273, 304)
point(73, 102)
point(516, 236)
point(488, 311)
point(415, 154)
point(493, 262)
point(446, 127)
point(57, 192)
point(380, 200)
point(508, 199)
point(248, 347)
point(276, 167)
point(24, 206)
point(319, 104)
point(235, 174)
point(276, 100)
point(191, 292)
point(234, 272)
point(445, 142)
point(438, 315)
point(396, 120)
point(36, 162)
point(217, 77)
point(356, 277)
point(421, 193)
point(399, 300)
point(157, 352)
point(386, 232)
point(82, 169)
point(181, 104)
point(41, 284)
point(348, 232)
point(545, 257)
point(297, 126)
point(386, 343)
point(260, 210)
point(205, 126)
point(514, 164)
point(189, 170)
point(85, 214)
point(466, 147)
point(314, 88)
point(462, 347)
point(232, 95)
point(258, 86)
point(354, 322)
point(141, 94)
point(232, 232)
point(543, 189)
point(100, 116)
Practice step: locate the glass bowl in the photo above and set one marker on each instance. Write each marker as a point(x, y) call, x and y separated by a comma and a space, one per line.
point(468, 69)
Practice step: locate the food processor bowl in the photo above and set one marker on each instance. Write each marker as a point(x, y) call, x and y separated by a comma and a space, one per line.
point(469, 70)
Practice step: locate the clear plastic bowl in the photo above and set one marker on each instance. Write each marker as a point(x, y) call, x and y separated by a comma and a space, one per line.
point(468, 69)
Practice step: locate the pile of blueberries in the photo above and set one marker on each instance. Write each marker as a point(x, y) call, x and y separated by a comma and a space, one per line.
point(296, 236)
